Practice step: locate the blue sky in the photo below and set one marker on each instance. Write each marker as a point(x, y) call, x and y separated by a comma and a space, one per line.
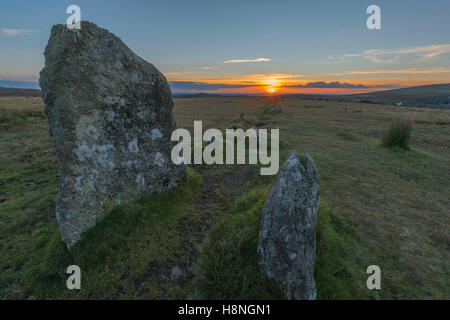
point(266, 43)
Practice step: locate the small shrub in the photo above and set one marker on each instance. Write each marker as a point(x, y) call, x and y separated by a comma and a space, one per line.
point(398, 134)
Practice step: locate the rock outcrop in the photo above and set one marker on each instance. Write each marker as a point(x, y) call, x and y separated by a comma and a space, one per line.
point(287, 236)
point(110, 116)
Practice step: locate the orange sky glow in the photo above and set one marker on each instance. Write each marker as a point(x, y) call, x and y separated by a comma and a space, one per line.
point(285, 83)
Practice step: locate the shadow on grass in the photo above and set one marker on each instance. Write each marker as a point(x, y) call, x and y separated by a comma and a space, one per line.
point(114, 253)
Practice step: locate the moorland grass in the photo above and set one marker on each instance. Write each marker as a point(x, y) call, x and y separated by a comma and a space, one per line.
point(395, 201)
point(227, 267)
point(377, 207)
point(12, 118)
point(113, 256)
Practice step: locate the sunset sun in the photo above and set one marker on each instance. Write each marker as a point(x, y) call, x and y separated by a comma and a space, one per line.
point(272, 85)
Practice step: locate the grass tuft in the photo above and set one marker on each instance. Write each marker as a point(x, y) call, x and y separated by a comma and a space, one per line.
point(398, 134)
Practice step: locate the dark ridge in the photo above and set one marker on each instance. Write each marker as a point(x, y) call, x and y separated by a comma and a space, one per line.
point(14, 92)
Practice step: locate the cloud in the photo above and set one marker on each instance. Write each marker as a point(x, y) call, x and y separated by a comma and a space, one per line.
point(378, 60)
point(209, 68)
point(280, 76)
point(248, 60)
point(322, 84)
point(382, 71)
point(10, 32)
point(390, 55)
point(172, 73)
point(16, 32)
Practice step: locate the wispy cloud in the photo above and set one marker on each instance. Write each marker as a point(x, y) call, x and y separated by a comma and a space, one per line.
point(383, 71)
point(10, 32)
point(172, 73)
point(335, 84)
point(209, 68)
point(16, 32)
point(248, 60)
point(275, 75)
point(390, 55)
point(380, 60)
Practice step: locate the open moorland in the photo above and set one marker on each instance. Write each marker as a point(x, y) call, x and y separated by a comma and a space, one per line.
point(379, 206)
point(428, 96)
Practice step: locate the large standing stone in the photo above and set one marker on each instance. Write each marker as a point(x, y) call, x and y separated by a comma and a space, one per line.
point(110, 115)
point(287, 236)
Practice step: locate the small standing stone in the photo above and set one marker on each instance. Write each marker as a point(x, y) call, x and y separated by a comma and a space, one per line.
point(176, 273)
point(287, 236)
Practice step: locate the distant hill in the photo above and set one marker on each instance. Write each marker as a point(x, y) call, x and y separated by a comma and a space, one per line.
point(430, 96)
point(13, 92)
point(435, 95)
